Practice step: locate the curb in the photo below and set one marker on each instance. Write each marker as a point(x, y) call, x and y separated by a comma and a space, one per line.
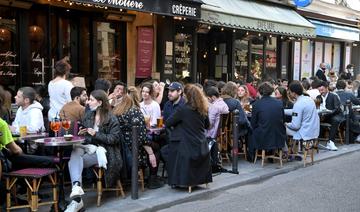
point(251, 179)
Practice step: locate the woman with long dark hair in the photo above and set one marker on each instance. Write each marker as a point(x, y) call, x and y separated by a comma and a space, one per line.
point(129, 115)
point(189, 159)
point(102, 131)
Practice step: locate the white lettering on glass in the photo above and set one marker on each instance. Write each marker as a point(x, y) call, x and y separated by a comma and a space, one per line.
point(183, 10)
point(122, 3)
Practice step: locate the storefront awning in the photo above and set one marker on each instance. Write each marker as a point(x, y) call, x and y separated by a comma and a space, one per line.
point(336, 31)
point(256, 16)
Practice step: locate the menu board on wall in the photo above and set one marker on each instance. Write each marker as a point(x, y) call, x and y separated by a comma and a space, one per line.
point(336, 61)
point(8, 68)
point(306, 59)
point(296, 61)
point(327, 54)
point(144, 57)
point(318, 55)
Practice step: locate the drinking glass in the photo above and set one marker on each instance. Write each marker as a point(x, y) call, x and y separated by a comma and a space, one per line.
point(55, 126)
point(65, 123)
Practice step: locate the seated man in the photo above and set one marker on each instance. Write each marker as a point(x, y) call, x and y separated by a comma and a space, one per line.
point(18, 159)
point(75, 109)
point(14, 153)
point(331, 102)
point(345, 96)
point(267, 121)
point(217, 106)
point(29, 113)
point(305, 122)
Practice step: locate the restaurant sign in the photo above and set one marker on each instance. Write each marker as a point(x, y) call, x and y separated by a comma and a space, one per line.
point(189, 9)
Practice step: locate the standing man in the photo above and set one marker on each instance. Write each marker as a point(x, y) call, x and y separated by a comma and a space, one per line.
point(175, 99)
point(29, 113)
point(321, 72)
point(331, 102)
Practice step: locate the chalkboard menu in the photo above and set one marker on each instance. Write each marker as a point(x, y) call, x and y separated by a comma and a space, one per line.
point(8, 68)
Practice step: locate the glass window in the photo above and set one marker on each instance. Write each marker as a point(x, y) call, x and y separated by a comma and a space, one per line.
point(183, 54)
point(38, 49)
point(108, 48)
point(9, 60)
point(241, 59)
point(270, 58)
point(257, 57)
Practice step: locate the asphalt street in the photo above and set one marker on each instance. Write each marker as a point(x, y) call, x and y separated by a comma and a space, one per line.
point(331, 185)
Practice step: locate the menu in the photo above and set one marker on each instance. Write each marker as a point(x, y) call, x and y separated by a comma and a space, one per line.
point(144, 59)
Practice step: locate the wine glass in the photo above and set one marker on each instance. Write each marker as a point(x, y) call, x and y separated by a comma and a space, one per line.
point(55, 126)
point(65, 123)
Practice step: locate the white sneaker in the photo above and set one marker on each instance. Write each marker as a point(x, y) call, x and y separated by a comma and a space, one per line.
point(74, 206)
point(331, 146)
point(76, 191)
point(358, 139)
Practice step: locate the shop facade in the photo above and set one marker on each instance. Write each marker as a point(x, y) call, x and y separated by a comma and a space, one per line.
point(116, 40)
point(337, 35)
point(239, 39)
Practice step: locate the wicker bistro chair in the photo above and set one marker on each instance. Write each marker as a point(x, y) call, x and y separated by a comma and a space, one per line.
point(32, 178)
point(264, 156)
point(225, 137)
point(306, 147)
point(99, 173)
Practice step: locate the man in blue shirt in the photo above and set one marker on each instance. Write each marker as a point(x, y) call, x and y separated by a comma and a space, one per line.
point(175, 99)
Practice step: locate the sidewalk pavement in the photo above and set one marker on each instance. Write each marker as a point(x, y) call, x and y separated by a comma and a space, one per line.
point(152, 200)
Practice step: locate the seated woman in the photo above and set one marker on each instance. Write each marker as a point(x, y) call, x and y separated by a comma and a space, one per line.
point(129, 115)
point(102, 129)
point(149, 107)
point(189, 158)
point(244, 97)
point(281, 94)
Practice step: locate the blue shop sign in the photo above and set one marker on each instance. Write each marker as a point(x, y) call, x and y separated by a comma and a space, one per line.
point(302, 3)
point(336, 31)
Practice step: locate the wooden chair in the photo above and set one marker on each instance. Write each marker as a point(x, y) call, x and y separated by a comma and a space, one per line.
point(307, 147)
point(99, 173)
point(326, 127)
point(223, 136)
point(32, 178)
point(263, 157)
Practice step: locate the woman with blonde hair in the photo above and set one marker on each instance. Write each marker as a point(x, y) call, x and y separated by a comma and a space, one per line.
point(129, 115)
point(244, 96)
point(189, 159)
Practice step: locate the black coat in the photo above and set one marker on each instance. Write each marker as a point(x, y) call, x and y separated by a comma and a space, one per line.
point(320, 74)
point(189, 158)
point(110, 137)
point(267, 121)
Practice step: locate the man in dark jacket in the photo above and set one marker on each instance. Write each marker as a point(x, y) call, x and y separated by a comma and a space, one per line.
point(267, 121)
point(331, 101)
point(321, 72)
point(345, 96)
point(175, 99)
